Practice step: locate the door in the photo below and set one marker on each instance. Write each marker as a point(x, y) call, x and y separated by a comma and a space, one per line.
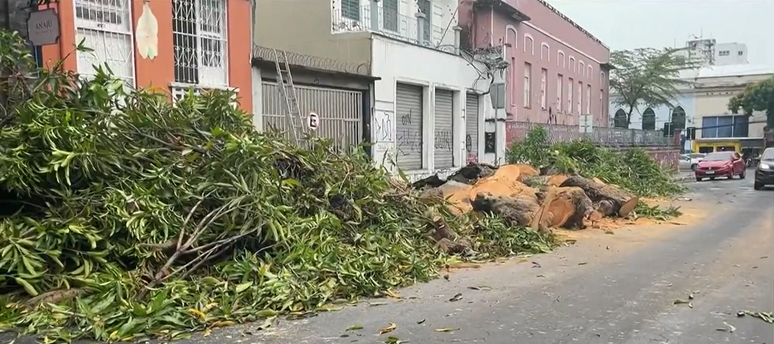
point(471, 128)
point(409, 155)
point(444, 129)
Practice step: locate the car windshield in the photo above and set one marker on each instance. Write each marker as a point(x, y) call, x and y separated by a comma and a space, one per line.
point(697, 155)
point(768, 154)
point(717, 156)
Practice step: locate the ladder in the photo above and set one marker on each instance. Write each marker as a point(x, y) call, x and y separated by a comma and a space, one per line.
point(288, 92)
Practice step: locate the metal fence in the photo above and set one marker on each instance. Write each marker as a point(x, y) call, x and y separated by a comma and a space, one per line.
point(340, 112)
point(611, 137)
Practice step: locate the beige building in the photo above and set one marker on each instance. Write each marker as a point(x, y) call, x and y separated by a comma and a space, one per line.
point(721, 129)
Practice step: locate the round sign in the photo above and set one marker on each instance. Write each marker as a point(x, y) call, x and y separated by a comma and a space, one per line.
point(313, 121)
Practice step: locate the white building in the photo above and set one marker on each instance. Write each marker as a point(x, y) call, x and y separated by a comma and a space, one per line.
point(717, 54)
point(425, 107)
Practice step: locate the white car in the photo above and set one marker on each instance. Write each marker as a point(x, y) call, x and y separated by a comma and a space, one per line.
point(690, 160)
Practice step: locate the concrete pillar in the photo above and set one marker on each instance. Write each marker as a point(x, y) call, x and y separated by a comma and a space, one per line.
point(457, 33)
point(374, 25)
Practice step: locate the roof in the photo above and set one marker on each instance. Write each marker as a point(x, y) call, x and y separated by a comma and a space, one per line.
point(727, 70)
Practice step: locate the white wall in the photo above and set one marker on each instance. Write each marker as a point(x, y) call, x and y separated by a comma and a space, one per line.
point(395, 61)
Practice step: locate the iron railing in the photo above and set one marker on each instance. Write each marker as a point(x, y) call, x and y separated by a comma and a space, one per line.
point(611, 137)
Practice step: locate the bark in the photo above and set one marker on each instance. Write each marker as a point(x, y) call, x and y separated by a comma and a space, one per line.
point(472, 173)
point(609, 199)
point(516, 209)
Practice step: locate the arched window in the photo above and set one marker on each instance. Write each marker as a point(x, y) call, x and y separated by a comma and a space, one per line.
point(560, 60)
point(678, 118)
point(649, 119)
point(590, 72)
point(581, 68)
point(619, 120)
point(511, 36)
point(545, 51)
point(529, 44)
point(572, 63)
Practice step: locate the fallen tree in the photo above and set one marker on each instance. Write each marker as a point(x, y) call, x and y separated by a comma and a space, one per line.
point(125, 217)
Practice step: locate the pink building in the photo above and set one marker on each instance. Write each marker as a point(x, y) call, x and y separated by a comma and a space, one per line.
point(557, 70)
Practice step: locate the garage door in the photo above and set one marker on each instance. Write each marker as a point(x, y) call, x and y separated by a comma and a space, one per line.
point(409, 127)
point(444, 129)
point(471, 127)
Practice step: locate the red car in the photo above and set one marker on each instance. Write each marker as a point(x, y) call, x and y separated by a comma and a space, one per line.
point(720, 164)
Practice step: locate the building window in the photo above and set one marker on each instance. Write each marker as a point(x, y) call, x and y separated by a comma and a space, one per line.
point(529, 44)
point(724, 126)
point(543, 88)
point(572, 64)
point(602, 104)
point(619, 120)
point(590, 72)
point(545, 52)
point(678, 118)
point(105, 26)
point(350, 9)
point(649, 119)
point(512, 82)
point(527, 85)
point(570, 95)
point(588, 99)
point(740, 53)
point(560, 61)
point(390, 15)
point(581, 68)
point(199, 40)
point(724, 53)
point(559, 92)
point(580, 97)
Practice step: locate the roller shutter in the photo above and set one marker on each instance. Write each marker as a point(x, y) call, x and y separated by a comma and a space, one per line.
point(471, 127)
point(409, 127)
point(444, 129)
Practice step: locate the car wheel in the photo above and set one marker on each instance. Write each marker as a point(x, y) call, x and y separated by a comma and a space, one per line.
point(712, 178)
point(699, 179)
point(693, 167)
point(758, 186)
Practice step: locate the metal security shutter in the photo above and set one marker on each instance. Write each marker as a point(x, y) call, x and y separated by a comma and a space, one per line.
point(471, 125)
point(444, 129)
point(409, 127)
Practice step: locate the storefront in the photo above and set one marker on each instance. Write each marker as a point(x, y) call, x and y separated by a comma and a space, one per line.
point(717, 145)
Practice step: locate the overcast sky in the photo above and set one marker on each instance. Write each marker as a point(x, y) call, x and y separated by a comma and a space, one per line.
point(626, 24)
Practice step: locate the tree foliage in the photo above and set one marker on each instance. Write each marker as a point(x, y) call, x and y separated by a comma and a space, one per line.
point(647, 75)
point(758, 96)
point(124, 217)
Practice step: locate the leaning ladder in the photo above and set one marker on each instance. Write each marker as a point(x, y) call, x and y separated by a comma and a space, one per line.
point(288, 92)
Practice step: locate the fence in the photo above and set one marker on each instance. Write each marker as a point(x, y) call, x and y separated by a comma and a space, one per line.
point(610, 137)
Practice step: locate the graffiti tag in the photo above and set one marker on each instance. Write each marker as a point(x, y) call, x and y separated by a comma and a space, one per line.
point(443, 140)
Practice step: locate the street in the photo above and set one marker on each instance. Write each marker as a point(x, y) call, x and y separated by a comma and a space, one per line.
point(617, 288)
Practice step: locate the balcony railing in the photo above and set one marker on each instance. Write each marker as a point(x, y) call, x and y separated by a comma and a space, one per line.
point(389, 22)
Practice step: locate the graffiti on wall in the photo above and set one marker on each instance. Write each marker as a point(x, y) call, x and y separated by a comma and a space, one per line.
point(443, 140)
point(471, 157)
point(384, 134)
point(409, 140)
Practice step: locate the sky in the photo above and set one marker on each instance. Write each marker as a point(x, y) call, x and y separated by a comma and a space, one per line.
point(628, 24)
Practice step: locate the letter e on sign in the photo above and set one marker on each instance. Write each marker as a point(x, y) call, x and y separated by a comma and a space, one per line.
point(313, 121)
point(43, 27)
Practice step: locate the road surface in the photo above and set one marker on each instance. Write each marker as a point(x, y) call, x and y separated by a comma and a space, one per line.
point(617, 288)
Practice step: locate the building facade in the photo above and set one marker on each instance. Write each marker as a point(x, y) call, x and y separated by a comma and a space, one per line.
point(704, 105)
point(556, 69)
point(173, 45)
point(427, 106)
point(712, 53)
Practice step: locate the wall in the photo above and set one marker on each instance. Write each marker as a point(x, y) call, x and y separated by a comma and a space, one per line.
point(396, 61)
point(552, 42)
point(159, 71)
point(663, 113)
point(310, 32)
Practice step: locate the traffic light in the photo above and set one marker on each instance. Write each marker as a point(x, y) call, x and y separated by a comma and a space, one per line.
point(690, 133)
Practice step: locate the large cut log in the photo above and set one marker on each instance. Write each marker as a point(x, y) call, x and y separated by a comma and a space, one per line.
point(517, 209)
point(609, 199)
point(515, 172)
point(472, 173)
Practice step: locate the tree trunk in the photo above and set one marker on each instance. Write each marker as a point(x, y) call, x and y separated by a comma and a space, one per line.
point(518, 210)
point(609, 200)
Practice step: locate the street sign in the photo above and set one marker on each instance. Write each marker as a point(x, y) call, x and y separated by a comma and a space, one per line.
point(43, 27)
point(313, 121)
point(585, 124)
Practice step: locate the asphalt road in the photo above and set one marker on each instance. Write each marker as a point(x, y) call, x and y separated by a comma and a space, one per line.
point(617, 288)
point(604, 289)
